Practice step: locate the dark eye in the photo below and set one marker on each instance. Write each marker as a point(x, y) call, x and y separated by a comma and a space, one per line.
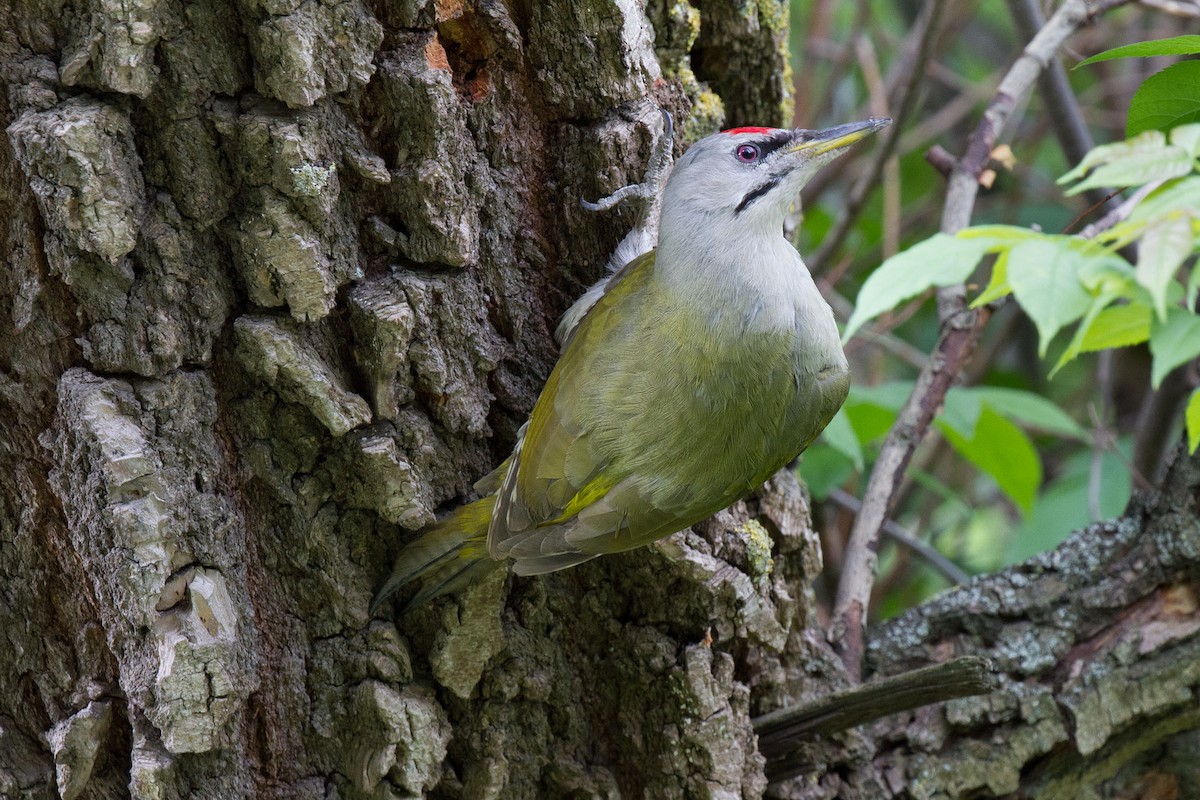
point(747, 153)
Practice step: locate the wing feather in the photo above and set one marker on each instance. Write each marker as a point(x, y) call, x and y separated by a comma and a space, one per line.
point(620, 451)
point(557, 470)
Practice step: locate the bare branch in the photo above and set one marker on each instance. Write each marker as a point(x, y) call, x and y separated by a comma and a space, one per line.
point(931, 554)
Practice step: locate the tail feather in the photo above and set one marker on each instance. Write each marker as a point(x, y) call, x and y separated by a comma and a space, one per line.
point(446, 558)
point(459, 574)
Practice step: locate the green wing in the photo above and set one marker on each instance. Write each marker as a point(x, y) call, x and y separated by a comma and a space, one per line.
point(640, 432)
point(551, 507)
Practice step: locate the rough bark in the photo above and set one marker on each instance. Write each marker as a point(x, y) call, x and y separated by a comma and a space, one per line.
point(281, 279)
point(1102, 672)
point(1097, 648)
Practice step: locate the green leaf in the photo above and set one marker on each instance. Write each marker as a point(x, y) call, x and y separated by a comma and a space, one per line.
point(823, 469)
point(1102, 271)
point(998, 285)
point(1173, 342)
point(1077, 342)
point(1029, 409)
point(1165, 246)
point(1138, 160)
point(1121, 235)
point(1119, 326)
point(961, 410)
point(1187, 137)
point(940, 260)
point(1003, 451)
point(998, 239)
point(840, 435)
point(1166, 99)
point(1175, 46)
point(1075, 346)
point(1192, 417)
point(870, 422)
point(1114, 151)
point(1043, 274)
point(891, 395)
point(1171, 197)
point(1064, 504)
point(871, 410)
point(999, 236)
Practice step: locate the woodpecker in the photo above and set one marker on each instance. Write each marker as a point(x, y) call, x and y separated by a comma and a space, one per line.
point(686, 378)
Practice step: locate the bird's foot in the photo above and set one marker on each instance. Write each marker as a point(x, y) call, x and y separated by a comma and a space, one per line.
point(649, 190)
point(647, 194)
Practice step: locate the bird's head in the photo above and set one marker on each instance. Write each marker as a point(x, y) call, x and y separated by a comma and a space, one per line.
point(752, 175)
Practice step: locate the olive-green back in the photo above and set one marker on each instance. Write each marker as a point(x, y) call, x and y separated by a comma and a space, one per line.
point(656, 416)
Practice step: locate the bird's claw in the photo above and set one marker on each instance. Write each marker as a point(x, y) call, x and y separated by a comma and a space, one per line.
point(650, 187)
point(637, 190)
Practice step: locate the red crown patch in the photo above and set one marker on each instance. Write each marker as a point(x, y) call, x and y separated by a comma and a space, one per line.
point(733, 131)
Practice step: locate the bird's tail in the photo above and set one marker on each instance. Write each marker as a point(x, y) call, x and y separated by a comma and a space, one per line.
point(449, 556)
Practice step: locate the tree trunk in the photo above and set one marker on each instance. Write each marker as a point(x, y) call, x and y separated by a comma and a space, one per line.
point(281, 280)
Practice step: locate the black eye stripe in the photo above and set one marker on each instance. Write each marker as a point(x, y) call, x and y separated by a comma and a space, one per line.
point(757, 192)
point(769, 144)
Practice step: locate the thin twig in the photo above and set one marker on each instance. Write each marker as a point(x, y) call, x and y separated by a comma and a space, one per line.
point(1087, 212)
point(961, 329)
point(1119, 213)
point(928, 26)
point(951, 571)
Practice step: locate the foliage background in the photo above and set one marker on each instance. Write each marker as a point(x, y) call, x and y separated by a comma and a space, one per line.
point(992, 490)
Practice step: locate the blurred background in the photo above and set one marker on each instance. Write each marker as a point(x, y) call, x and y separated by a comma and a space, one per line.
point(1017, 460)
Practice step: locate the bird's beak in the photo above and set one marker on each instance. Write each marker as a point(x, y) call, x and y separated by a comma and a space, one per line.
point(818, 142)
